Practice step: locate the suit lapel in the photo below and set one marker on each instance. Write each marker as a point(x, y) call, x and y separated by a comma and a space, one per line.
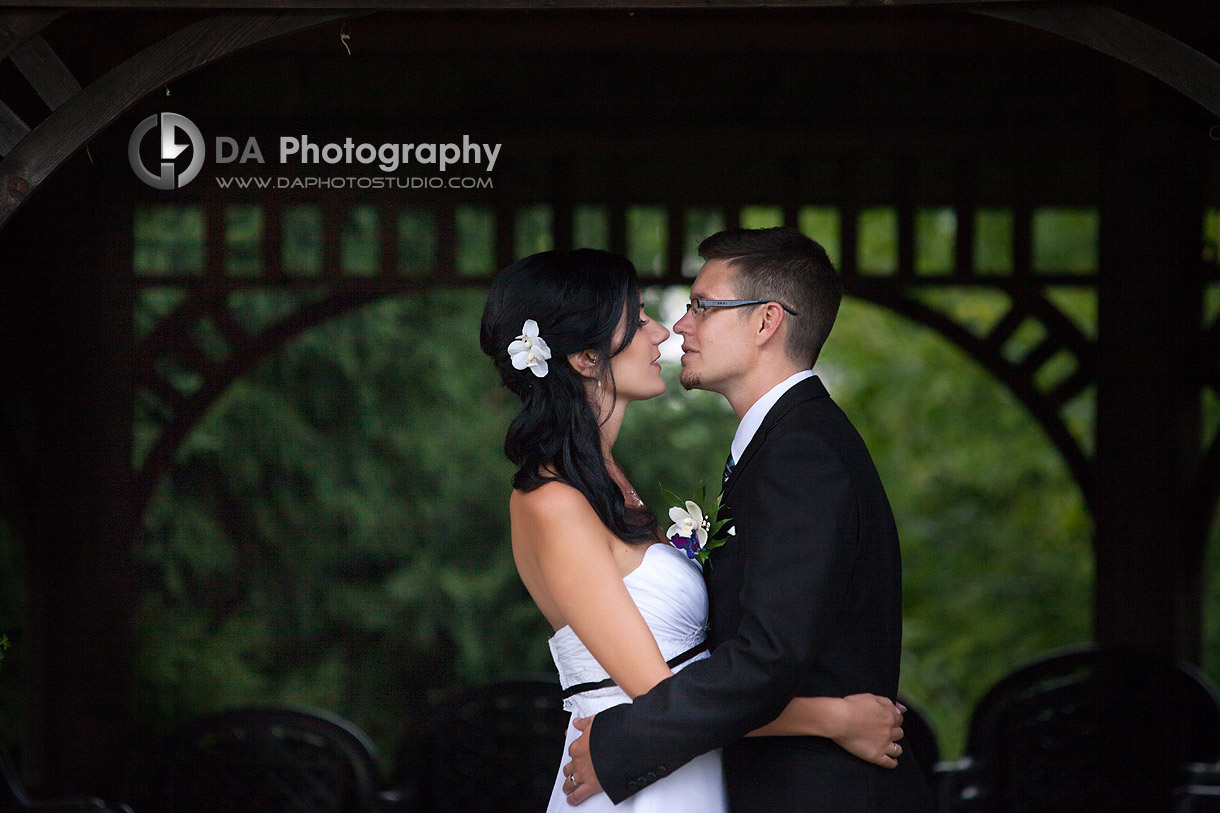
point(803, 391)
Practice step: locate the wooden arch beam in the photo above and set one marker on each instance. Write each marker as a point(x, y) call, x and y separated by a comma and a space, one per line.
point(17, 27)
point(45, 148)
point(63, 132)
point(1128, 40)
point(1009, 374)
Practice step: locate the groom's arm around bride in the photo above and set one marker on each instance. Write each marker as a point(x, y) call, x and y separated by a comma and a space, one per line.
point(806, 595)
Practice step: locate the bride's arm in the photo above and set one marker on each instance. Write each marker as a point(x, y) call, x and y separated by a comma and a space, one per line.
point(571, 548)
point(865, 725)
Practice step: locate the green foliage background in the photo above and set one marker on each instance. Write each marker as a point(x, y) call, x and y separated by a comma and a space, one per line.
point(334, 531)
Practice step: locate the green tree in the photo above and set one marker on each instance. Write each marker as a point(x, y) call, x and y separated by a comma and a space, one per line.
point(333, 532)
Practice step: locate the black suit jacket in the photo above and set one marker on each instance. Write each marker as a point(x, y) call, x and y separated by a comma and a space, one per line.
point(805, 600)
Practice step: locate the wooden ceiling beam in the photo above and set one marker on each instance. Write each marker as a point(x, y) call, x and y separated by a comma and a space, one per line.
point(412, 5)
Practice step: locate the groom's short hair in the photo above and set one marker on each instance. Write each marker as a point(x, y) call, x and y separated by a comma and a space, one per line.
point(783, 265)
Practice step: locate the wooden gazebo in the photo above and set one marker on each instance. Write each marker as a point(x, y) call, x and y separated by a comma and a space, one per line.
point(609, 115)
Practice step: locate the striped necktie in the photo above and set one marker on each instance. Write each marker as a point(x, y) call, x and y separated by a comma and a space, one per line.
point(728, 467)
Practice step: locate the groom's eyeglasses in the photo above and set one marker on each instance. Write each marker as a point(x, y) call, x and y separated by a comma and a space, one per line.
point(700, 306)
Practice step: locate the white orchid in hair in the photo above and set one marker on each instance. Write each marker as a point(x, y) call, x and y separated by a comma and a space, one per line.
point(530, 350)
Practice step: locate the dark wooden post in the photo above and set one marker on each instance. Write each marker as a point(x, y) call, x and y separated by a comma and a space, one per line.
point(1149, 540)
point(66, 264)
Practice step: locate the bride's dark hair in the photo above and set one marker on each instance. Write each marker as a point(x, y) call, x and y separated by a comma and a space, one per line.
point(578, 298)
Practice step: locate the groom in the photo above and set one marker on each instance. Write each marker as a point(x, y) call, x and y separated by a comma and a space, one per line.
point(806, 592)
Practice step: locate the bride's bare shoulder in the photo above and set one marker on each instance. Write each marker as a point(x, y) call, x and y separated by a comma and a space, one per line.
point(550, 501)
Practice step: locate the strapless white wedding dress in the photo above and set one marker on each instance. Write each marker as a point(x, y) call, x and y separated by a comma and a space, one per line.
point(668, 589)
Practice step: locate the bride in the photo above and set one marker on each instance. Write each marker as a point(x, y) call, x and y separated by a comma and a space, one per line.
point(568, 334)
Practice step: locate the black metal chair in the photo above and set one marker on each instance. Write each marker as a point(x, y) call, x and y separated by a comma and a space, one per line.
point(269, 760)
point(494, 747)
point(13, 796)
point(1200, 793)
point(1086, 730)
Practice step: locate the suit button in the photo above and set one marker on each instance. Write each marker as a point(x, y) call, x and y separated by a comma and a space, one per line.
point(641, 781)
point(662, 770)
point(632, 786)
point(652, 777)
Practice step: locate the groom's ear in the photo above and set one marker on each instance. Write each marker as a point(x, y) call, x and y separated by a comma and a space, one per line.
point(585, 363)
point(772, 316)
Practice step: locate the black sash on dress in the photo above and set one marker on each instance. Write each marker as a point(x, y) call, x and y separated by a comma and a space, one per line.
point(672, 663)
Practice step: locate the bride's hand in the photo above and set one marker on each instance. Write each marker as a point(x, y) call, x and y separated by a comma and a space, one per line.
point(870, 729)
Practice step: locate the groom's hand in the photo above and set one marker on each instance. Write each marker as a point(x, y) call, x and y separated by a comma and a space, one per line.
point(581, 782)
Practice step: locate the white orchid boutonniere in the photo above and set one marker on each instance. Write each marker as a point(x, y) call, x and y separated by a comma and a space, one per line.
point(530, 350)
point(694, 530)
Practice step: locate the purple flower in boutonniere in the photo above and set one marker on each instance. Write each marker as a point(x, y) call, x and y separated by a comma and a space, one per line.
point(694, 530)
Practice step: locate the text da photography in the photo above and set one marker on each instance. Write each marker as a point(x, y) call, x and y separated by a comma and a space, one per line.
point(387, 156)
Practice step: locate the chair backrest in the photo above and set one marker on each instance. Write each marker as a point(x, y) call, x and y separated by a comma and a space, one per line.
point(13, 796)
point(266, 759)
point(493, 747)
point(1093, 729)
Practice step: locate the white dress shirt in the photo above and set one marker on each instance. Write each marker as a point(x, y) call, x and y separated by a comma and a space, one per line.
point(755, 414)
